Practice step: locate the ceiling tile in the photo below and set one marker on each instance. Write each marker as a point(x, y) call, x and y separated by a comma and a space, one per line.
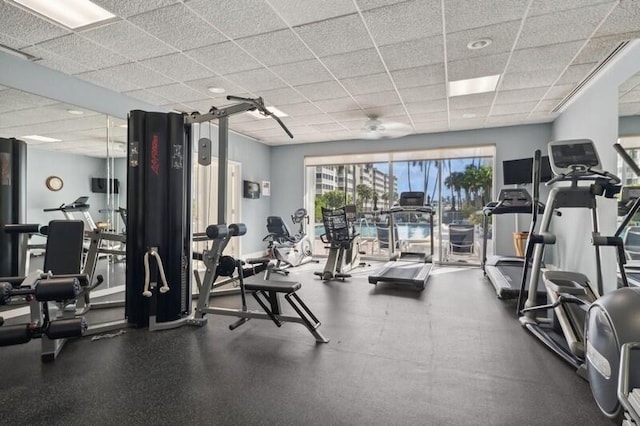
point(12, 42)
point(302, 72)
point(336, 35)
point(139, 75)
point(405, 21)
point(547, 105)
point(477, 67)
point(575, 73)
point(204, 83)
point(328, 127)
point(354, 64)
point(56, 62)
point(372, 4)
point(76, 48)
point(561, 27)
point(525, 107)
point(425, 117)
point(415, 53)
point(310, 119)
point(176, 92)
point(296, 12)
point(432, 127)
point(632, 96)
point(282, 96)
point(542, 7)
point(423, 93)
point(630, 83)
point(235, 59)
point(338, 105)
point(599, 48)
point(520, 96)
point(419, 76)
point(13, 100)
point(177, 66)
point(105, 79)
point(129, 40)
point(624, 18)
point(27, 27)
point(434, 105)
point(465, 14)
point(178, 26)
point(629, 109)
point(132, 7)
point(368, 84)
point(371, 100)
point(300, 110)
point(470, 113)
point(258, 79)
point(238, 18)
point(467, 123)
point(544, 57)
point(148, 97)
point(559, 91)
point(471, 101)
point(502, 37)
point(383, 111)
point(528, 79)
point(323, 90)
point(275, 48)
point(506, 120)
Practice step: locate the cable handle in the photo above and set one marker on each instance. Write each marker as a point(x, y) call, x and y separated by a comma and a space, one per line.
point(153, 251)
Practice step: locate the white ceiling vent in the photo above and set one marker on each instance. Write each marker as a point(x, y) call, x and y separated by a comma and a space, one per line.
point(594, 72)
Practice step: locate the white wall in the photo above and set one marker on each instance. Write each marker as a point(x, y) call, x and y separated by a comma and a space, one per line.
point(593, 115)
point(287, 163)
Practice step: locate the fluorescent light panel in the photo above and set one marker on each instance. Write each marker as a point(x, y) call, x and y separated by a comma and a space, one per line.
point(70, 13)
point(275, 111)
point(473, 85)
point(41, 138)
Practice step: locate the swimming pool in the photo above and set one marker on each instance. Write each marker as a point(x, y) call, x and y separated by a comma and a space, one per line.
point(406, 231)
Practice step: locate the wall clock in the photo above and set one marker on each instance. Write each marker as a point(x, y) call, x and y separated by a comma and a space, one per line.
point(54, 183)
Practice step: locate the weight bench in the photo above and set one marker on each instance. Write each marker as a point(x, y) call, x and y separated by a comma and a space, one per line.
point(266, 293)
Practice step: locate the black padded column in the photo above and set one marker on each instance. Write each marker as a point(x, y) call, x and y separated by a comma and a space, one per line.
point(13, 171)
point(159, 214)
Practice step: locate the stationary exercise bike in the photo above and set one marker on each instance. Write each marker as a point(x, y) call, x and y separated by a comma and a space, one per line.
point(288, 250)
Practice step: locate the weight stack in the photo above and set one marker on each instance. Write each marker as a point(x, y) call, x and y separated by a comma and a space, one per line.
point(159, 215)
point(13, 177)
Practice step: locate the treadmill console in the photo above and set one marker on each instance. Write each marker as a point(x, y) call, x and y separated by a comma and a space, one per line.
point(514, 197)
point(573, 155)
point(412, 199)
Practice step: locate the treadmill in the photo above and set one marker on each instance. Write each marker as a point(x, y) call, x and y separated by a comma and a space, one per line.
point(505, 272)
point(407, 268)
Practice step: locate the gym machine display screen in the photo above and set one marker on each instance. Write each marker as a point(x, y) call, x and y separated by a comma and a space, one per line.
point(520, 171)
point(582, 152)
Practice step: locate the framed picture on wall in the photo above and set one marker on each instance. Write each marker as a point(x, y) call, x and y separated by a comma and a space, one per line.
point(266, 188)
point(251, 189)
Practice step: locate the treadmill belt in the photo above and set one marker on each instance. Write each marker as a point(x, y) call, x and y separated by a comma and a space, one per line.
point(401, 272)
point(507, 285)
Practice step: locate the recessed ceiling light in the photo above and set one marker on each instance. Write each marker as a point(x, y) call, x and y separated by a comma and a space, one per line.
point(216, 89)
point(41, 138)
point(275, 111)
point(479, 44)
point(75, 112)
point(468, 115)
point(70, 13)
point(473, 85)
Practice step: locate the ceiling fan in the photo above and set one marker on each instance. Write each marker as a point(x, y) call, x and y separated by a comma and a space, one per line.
point(375, 129)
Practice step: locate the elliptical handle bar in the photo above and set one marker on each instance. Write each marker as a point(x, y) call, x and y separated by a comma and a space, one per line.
point(258, 103)
point(537, 158)
point(627, 158)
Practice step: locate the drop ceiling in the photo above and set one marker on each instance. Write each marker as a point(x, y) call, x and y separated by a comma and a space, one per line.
point(330, 64)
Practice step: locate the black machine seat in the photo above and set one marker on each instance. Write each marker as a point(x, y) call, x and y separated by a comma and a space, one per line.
point(336, 227)
point(273, 286)
point(278, 230)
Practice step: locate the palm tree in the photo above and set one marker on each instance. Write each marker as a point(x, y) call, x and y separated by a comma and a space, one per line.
point(455, 182)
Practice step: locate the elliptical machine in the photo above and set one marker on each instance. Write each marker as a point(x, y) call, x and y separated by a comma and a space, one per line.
point(584, 329)
point(288, 250)
point(344, 243)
